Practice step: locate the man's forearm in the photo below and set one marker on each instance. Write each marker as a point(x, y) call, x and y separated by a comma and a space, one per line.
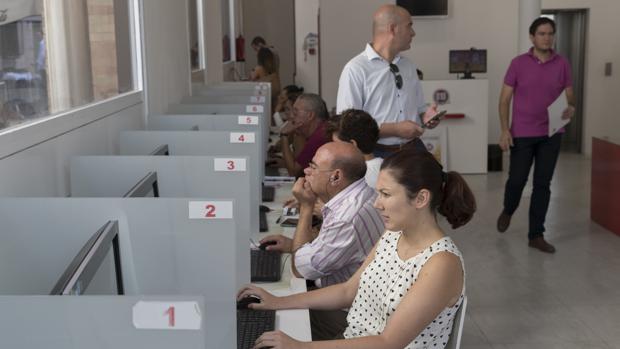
point(503, 115)
point(303, 234)
point(388, 129)
point(287, 156)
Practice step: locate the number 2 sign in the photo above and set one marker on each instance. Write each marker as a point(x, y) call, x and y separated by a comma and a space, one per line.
point(210, 210)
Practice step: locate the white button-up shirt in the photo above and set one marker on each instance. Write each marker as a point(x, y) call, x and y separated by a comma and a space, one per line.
point(367, 83)
point(351, 227)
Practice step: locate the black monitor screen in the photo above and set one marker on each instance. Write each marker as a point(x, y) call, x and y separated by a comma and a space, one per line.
point(146, 187)
point(422, 8)
point(90, 264)
point(464, 61)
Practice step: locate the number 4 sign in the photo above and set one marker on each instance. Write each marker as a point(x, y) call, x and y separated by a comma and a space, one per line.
point(242, 137)
point(210, 210)
point(167, 315)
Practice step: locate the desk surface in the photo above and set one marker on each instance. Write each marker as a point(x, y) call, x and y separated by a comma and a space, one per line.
point(295, 323)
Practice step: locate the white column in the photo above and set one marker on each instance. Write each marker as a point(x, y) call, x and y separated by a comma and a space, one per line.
point(529, 10)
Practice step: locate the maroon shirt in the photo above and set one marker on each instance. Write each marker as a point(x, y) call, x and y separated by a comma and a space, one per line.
point(314, 142)
point(536, 86)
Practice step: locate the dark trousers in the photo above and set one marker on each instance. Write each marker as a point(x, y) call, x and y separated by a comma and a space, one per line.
point(327, 324)
point(543, 153)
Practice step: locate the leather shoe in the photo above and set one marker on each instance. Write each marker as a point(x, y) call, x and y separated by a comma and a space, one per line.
point(541, 244)
point(503, 222)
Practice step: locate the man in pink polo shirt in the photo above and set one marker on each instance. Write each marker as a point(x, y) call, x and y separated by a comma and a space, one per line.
point(533, 82)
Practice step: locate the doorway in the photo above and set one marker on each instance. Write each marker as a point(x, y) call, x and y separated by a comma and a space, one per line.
point(570, 42)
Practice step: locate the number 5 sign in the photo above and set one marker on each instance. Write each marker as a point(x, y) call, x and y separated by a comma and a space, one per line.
point(167, 315)
point(210, 210)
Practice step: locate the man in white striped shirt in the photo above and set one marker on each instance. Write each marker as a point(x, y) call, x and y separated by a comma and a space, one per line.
point(351, 225)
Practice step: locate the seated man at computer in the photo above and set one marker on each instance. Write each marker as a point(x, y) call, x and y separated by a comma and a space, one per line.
point(308, 121)
point(351, 226)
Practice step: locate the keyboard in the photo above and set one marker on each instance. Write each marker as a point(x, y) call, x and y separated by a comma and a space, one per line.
point(262, 222)
point(265, 266)
point(269, 193)
point(251, 324)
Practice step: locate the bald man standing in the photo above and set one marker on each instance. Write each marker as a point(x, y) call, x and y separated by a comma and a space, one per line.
point(385, 84)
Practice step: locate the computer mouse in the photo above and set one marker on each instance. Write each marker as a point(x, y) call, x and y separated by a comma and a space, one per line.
point(244, 302)
point(264, 245)
point(263, 208)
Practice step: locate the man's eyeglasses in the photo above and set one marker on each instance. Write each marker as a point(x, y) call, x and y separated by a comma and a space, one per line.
point(398, 79)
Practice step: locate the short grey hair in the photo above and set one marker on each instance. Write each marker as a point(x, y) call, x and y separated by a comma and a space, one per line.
point(315, 104)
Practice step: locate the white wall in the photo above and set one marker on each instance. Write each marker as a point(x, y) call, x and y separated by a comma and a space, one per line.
point(307, 66)
point(492, 25)
point(166, 41)
point(274, 20)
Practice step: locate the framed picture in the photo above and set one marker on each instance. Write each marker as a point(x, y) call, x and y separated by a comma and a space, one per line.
point(436, 142)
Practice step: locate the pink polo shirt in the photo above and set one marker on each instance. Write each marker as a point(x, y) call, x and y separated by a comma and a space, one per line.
point(536, 86)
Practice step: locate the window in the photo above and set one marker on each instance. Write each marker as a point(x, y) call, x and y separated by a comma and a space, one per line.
point(196, 37)
point(57, 57)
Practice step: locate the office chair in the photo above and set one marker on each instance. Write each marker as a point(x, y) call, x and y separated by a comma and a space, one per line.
point(457, 327)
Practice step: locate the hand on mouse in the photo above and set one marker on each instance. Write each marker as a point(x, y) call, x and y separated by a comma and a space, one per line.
point(282, 243)
point(267, 300)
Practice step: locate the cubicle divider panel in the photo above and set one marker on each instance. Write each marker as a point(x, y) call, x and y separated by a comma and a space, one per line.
point(205, 143)
point(96, 322)
point(214, 122)
point(239, 109)
point(168, 247)
point(177, 177)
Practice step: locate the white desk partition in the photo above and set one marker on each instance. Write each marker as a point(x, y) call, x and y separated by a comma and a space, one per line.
point(235, 109)
point(177, 177)
point(203, 143)
point(211, 122)
point(166, 254)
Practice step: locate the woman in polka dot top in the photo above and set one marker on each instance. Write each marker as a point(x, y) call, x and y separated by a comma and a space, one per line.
point(408, 290)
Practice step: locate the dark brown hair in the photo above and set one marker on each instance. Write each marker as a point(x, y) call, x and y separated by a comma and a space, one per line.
point(357, 125)
point(266, 59)
point(418, 169)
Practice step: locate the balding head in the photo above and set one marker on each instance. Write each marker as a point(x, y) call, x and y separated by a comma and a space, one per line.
point(385, 16)
point(345, 157)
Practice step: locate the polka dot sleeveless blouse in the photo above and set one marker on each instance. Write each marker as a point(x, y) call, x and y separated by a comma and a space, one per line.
point(385, 282)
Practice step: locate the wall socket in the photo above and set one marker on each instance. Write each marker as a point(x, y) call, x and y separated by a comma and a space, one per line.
point(608, 69)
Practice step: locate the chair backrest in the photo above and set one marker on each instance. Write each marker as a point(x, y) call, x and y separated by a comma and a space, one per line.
point(457, 327)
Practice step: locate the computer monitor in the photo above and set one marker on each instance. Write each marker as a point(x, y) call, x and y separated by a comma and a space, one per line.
point(85, 265)
point(145, 188)
point(468, 61)
point(161, 150)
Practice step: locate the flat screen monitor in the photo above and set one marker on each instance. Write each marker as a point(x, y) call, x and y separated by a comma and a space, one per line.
point(89, 262)
point(145, 188)
point(161, 150)
point(425, 8)
point(467, 62)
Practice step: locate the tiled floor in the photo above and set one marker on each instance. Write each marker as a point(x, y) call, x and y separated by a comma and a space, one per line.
point(522, 298)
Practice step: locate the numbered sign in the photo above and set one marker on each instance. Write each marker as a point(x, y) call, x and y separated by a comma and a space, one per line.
point(242, 137)
point(254, 108)
point(167, 316)
point(257, 99)
point(248, 120)
point(229, 165)
point(210, 210)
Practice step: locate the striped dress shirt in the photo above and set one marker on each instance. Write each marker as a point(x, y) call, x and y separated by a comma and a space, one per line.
point(351, 227)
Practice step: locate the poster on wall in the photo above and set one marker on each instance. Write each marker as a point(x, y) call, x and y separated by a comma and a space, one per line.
point(436, 142)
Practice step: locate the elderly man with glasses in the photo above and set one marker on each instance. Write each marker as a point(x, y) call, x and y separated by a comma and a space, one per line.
point(385, 84)
point(351, 226)
point(308, 120)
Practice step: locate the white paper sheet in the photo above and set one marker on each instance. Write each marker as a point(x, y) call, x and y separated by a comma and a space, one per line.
point(555, 115)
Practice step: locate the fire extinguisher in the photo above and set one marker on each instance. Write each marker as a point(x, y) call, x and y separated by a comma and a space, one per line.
point(240, 48)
